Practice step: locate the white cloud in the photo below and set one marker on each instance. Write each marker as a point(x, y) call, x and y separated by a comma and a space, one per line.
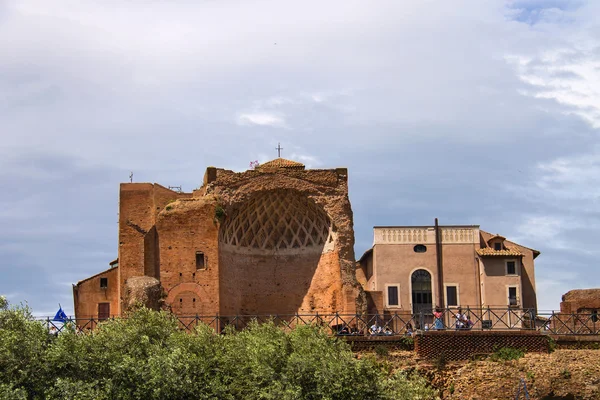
point(262, 119)
point(575, 177)
point(567, 68)
point(308, 160)
point(575, 83)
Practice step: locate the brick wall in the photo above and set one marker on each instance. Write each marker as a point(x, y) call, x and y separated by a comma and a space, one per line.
point(462, 345)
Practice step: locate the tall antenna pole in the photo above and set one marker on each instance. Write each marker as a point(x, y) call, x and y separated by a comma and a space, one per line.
point(440, 265)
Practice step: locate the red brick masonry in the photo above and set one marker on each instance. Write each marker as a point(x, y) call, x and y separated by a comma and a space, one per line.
point(462, 345)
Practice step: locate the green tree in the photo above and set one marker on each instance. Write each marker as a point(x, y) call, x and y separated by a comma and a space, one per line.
point(146, 356)
point(23, 345)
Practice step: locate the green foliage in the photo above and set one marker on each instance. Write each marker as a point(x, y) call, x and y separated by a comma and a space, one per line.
point(408, 340)
point(147, 356)
point(219, 213)
point(440, 362)
point(23, 345)
point(7, 392)
point(565, 373)
point(507, 353)
point(530, 376)
point(551, 344)
point(404, 387)
point(382, 351)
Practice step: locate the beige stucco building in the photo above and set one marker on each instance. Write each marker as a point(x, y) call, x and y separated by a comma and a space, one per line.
point(411, 268)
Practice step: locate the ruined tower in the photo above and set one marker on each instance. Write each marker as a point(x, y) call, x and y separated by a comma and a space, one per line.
point(275, 240)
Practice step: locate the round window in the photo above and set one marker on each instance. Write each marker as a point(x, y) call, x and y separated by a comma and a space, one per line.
point(420, 248)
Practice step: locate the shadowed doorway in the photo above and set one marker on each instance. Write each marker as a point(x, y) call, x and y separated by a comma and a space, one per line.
point(421, 291)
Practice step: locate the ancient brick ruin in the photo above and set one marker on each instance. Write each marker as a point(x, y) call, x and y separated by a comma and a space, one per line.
point(274, 240)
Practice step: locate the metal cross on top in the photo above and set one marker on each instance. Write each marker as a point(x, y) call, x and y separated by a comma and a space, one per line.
point(279, 148)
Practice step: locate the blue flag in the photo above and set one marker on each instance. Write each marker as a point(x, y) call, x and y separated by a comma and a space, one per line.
point(60, 316)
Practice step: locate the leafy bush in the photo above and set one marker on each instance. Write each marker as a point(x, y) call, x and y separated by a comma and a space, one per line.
point(219, 213)
point(441, 361)
point(551, 344)
point(507, 353)
point(147, 356)
point(7, 392)
point(23, 346)
point(381, 350)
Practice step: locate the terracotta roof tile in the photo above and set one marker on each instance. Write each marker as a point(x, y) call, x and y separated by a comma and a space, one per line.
point(487, 236)
point(488, 251)
point(281, 163)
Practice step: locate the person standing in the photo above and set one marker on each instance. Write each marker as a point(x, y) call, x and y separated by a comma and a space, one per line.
point(438, 321)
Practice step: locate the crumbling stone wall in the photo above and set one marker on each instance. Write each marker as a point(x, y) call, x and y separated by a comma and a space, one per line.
point(139, 206)
point(580, 300)
point(328, 189)
point(579, 313)
point(142, 291)
point(186, 228)
point(179, 240)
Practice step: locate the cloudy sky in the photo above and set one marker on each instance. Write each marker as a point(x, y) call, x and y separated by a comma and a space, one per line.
point(475, 112)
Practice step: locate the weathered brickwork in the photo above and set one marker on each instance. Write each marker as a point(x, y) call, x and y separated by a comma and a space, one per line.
point(579, 313)
point(580, 301)
point(275, 240)
point(462, 345)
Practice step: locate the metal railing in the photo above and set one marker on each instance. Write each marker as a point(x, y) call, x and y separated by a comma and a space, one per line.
point(391, 324)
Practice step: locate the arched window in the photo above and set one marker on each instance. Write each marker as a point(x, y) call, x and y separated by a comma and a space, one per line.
point(421, 291)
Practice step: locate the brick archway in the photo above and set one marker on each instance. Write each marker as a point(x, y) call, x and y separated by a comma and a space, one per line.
point(185, 287)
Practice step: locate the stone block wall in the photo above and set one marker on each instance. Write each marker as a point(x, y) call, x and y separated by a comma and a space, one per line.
point(462, 345)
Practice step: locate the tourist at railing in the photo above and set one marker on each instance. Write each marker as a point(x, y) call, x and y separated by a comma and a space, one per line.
point(396, 324)
point(375, 329)
point(438, 322)
point(461, 319)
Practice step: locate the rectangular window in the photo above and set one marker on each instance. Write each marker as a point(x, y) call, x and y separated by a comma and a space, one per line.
point(511, 268)
point(451, 296)
point(103, 283)
point(103, 311)
point(200, 264)
point(512, 296)
point(497, 246)
point(393, 296)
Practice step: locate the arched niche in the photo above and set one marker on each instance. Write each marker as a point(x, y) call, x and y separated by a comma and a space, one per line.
point(276, 256)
